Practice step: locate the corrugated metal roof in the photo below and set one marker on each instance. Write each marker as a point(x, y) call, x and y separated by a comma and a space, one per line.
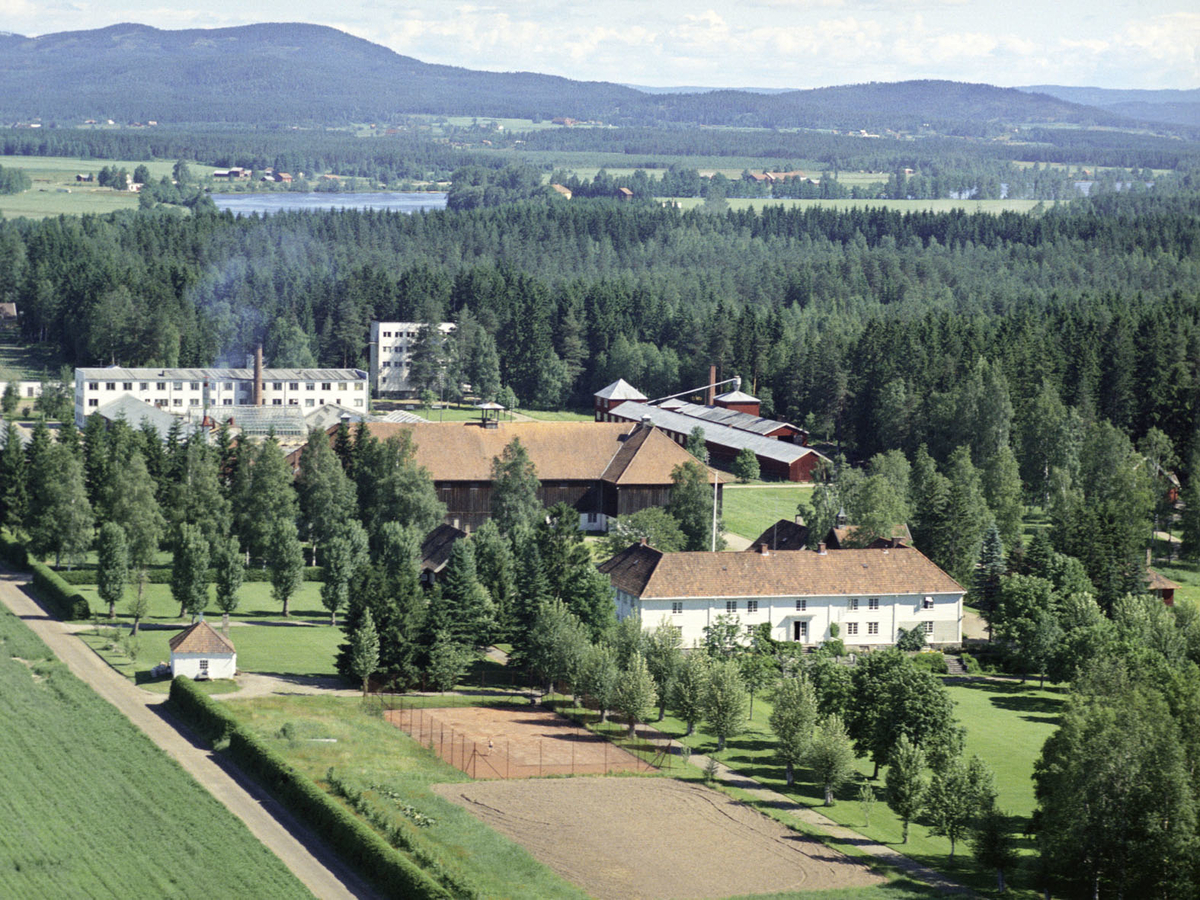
point(401, 415)
point(331, 414)
point(722, 435)
point(734, 419)
point(118, 373)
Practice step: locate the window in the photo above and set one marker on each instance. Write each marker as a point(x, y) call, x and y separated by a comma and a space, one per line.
point(309, 401)
point(358, 401)
point(293, 402)
point(387, 334)
point(178, 385)
point(927, 603)
point(144, 386)
point(872, 628)
point(93, 402)
point(310, 386)
point(93, 385)
point(277, 385)
point(341, 385)
point(293, 385)
point(928, 626)
point(326, 385)
point(127, 385)
point(676, 607)
point(177, 402)
point(852, 604)
point(386, 364)
point(873, 603)
point(162, 385)
point(730, 606)
point(752, 606)
point(593, 518)
point(229, 385)
point(851, 628)
point(195, 401)
point(801, 605)
point(229, 401)
point(277, 402)
point(110, 385)
point(750, 629)
point(195, 385)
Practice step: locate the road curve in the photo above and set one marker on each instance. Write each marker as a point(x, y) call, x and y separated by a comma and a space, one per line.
point(317, 867)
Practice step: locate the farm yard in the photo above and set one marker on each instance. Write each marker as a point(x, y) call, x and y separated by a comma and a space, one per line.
point(655, 837)
point(93, 809)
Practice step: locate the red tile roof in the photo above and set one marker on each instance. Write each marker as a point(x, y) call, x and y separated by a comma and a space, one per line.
point(200, 638)
point(648, 573)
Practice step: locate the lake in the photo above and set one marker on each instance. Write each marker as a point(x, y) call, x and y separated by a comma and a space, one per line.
point(278, 202)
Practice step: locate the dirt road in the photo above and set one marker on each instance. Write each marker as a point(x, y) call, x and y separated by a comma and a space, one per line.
point(310, 861)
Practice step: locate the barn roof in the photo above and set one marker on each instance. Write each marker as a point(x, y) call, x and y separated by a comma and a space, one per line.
point(200, 638)
point(616, 452)
point(722, 435)
point(733, 418)
point(651, 574)
point(435, 549)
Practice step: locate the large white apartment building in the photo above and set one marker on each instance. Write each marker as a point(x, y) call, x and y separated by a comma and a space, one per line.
point(391, 354)
point(192, 391)
point(869, 594)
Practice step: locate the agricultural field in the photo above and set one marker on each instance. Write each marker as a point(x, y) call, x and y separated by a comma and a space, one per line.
point(1006, 724)
point(747, 510)
point(93, 809)
point(56, 192)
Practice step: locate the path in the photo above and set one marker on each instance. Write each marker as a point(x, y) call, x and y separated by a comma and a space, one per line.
point(310, 861)
point(773, 799)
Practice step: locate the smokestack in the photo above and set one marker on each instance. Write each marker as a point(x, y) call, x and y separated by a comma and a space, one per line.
point(258, 376)
point(762, 549)
point(711, 399)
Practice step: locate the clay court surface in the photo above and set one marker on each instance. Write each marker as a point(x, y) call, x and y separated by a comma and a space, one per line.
point(513, 742)
point(619, 838)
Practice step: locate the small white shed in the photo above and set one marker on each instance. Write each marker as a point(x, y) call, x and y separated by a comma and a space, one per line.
point(201, 653)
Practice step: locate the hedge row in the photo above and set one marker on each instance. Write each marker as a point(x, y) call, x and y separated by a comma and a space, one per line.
point(393, 873)
point(13, 552)
point(64, 601)
point(162, 575)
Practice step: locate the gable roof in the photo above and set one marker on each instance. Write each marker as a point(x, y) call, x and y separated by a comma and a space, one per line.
point(837, 537)
point(200, 638)
point(1157, 582)
point(736, 397)
point(620, 390)
point(786, 535)
point(742, 421)
point(651, 574)
point(135, 411)
point(616, 452)
point(435, 549)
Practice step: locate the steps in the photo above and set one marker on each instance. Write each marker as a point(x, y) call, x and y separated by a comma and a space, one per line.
point(954, 666)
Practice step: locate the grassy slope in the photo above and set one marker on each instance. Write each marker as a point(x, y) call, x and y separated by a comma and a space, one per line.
point(370, 750)
point(92, 808)
point(749, 509)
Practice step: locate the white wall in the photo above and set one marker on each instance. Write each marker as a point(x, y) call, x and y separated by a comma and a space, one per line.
point(219, 665)
point(892, 613)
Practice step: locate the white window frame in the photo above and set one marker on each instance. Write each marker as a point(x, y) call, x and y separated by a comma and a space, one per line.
point(852, 604)
point(751, 606)
point(872, 628)
point(852, 629)
point(730, 606)
point(677, 607)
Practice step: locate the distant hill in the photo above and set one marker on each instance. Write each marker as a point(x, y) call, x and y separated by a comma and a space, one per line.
point(294, 74)
point(1166, 106)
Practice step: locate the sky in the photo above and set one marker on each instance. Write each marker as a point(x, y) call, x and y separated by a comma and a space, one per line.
point(719, 43)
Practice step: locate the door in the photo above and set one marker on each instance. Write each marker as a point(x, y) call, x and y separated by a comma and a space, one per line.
point(800, 631)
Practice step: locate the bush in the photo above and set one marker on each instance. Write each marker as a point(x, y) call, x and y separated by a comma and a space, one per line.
point(200, 711)
point(64, 601)
point(13, 552)
point(931, 661)
point(970, 663)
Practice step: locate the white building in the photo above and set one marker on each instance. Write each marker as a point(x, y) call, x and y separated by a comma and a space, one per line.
point(391, 354)
point(201, 653)
point(183, 391)
point(869, 594)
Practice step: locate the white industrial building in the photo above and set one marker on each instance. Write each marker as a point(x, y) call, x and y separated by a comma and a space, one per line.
point(391, 354)
point(196, 391)
point(869, 594)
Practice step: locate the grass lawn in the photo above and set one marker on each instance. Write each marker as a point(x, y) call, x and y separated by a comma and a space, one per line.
point(1006, 724)
point(373, 753)
point(92, 808)
point(749, 509)
point(558, 415)
point(256, 604)
point(1186, 575)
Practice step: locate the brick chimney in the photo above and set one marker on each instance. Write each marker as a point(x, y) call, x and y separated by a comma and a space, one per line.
point(258, 375)
point(821, 548)
point(763, 549)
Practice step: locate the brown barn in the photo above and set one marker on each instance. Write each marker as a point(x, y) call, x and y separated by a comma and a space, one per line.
point(603, 469)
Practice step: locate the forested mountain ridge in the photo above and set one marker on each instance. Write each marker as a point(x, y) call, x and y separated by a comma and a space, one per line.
point(309, 74)
point(1170, 106)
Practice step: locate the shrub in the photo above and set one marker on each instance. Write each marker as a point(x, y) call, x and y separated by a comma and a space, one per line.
point(64, 601)
point(200, 711)
point(13, 552)
point(931, 661)
point(970, 663)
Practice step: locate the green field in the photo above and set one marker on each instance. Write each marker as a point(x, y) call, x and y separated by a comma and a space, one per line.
point(748, 509)
point(256, 603)
point(1006, 723)
point(373, 752)
point(93, 809)
point(992, 207)
point(52, 176)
